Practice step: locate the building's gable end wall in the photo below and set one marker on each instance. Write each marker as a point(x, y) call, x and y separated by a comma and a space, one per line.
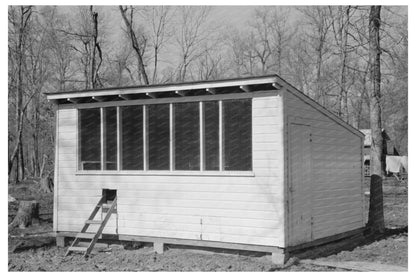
point(336, 153)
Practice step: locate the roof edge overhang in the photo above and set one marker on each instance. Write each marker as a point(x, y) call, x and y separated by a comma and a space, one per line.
point(150, 90)
point(248, 84)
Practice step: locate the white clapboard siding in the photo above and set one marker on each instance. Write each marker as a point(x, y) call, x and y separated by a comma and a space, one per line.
point(237, 209)
point(336, 195)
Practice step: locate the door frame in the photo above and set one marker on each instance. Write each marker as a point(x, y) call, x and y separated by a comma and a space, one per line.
point(304, 122)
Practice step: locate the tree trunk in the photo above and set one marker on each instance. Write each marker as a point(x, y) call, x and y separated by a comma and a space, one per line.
point(17, 154)
point(135, 43)
point(46, 184)
point(376, 213)
point(27, 214)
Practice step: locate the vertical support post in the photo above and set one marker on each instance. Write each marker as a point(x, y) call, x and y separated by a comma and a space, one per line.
point(103, 159)
point(201, 136)
point(171, 137)
point(221, 166)
point(55, 174)
point(119, 130)
point(145, 144)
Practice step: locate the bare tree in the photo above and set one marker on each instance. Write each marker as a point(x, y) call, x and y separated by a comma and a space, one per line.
point(37, 73)
point(262, 38)
point(210, 65)
point(86, 40)
point(160, 32)
point(190, 35)
point(340, 26)
point(242, 54)
point(375, 215)
point(127, 14)
point(19, 25)
point(282, 34)
point(121, 62)
point(318, 18)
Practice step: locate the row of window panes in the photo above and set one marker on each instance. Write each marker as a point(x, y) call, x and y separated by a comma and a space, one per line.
point(236, 136)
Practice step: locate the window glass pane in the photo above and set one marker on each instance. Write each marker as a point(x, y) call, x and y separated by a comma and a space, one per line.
point(158, 137)
point(132, 137)
point(186, 117)
point(237, 134)
point(90, 139)
point(211, 114)
point(110, 138)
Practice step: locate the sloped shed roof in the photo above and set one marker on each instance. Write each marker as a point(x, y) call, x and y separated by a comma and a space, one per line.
point(199, 88)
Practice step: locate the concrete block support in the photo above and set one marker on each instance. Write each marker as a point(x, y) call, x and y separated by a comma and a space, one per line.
point(60, 241)
point(159, 247)
point(279, 257)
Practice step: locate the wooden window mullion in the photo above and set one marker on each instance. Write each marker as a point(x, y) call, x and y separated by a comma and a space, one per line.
point(171, 137)
point(102, 115)
point(145, 144)
point(220, 133)
point(202, 136)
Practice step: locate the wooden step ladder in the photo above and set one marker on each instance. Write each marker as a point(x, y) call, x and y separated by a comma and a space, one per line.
point(90, 221)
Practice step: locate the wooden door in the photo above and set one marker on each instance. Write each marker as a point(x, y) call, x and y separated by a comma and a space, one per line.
point(300, 190)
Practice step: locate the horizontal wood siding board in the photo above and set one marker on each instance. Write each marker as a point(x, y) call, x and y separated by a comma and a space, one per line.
point(347, 215)
point(67, 204)
point(71, 217)
point(337, 228)
point(211, 212)
point(175, 188)
point(195, 228)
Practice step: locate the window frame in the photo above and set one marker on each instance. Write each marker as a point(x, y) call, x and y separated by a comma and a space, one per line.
point(171, 171)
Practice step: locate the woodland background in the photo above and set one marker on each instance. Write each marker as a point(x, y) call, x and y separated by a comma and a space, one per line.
point(321, 50)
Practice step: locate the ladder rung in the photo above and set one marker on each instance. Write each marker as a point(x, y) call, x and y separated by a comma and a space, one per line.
point(93, 222)
point(85, 235)
point(77, 248)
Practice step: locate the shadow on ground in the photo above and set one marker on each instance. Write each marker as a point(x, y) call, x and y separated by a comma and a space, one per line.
point(347, 244)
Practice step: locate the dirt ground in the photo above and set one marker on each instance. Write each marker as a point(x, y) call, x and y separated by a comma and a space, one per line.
point(34, 249)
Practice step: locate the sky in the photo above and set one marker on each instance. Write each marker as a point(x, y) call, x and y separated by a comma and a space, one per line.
point(234, 16)
point(225, 17)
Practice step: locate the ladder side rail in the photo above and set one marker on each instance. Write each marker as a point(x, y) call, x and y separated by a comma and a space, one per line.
point(101, 228)
point(84, 229)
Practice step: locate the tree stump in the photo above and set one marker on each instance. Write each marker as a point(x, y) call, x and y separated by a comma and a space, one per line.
point(46, 184)
point(27, 214)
